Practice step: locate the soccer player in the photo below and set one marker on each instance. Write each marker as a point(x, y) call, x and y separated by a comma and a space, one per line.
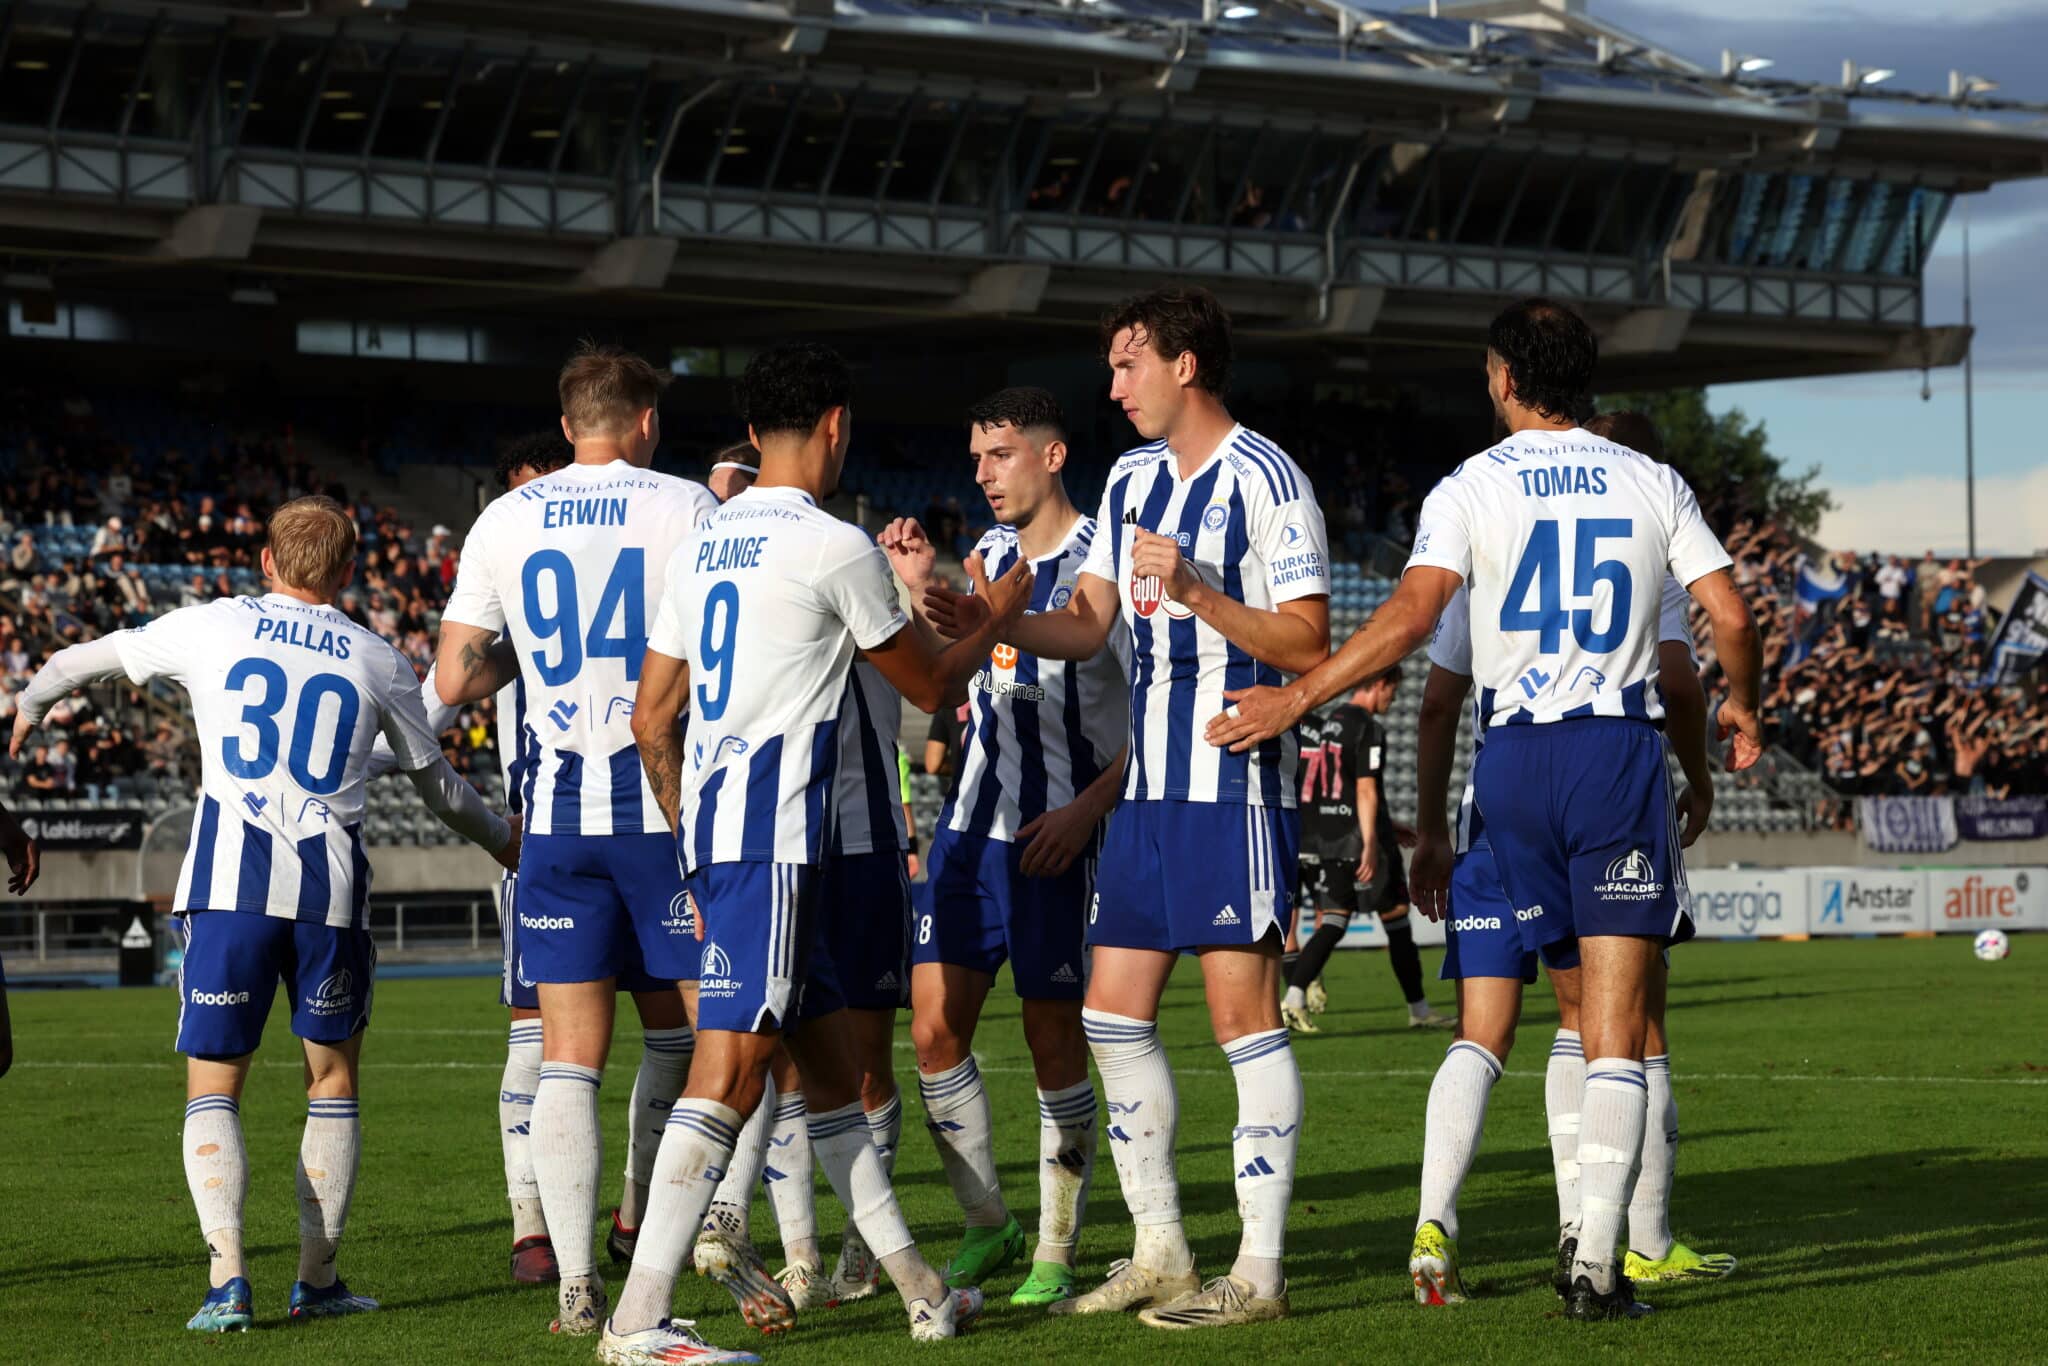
point(24, 860)
point(288, 697)
point(1351, 852)
point(568, 567)
point(765, 609)
point(1488, 954)
point(1013, 860)
point(1564, 540)
point(1210, 552)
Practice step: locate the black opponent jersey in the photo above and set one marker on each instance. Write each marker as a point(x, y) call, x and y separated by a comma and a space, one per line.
point(1338, 748)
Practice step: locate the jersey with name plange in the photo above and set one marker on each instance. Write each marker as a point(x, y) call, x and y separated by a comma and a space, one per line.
point(1565, 540)
point(767, 603)
point(288, 700)
point(570, 566)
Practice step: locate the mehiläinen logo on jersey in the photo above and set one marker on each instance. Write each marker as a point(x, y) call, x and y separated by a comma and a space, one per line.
point(1630, 878)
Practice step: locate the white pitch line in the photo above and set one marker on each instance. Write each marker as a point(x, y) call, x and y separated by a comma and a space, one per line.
point(1380, 1074)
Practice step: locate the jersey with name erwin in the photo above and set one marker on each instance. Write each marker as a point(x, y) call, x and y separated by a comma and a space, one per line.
point(1565, 540)
point(1039, 731)
point(288, 700)
point(1248, 522)
point(767, 603)
point(570, 566)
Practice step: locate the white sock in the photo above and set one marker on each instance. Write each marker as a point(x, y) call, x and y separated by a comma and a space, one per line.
point(1262, 1148)
point(568, 1158)
point(732, 1204)
point(1295, 999)
point(1066, 1161)
point(846, 1150)
point(957, 1114)
point(328, 1154)
point(217, 1171)
point(515, 1122)
point(1649, 1211)
point(1450, 1136)
point(1564, 1089)
point(692, 1158)
point(885, 1130)
point(1610, 1140)
point(664, 1067)
point(791, 1188)
point(1144, 1115)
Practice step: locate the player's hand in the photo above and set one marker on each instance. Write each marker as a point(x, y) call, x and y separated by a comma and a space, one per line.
point(1746, 731)
point(910, 866)
point(1368, 865)
point(696, 916)
point(1404, 835)
point(911, 553)
point(24, 855)
point(1052, 841)
point(1695, 805)
point(1158, 557)
point(508, 857)
point(1253, 715)
point(1429, 875)
point(1008, 596)
point(953, 615)
point(22, 727)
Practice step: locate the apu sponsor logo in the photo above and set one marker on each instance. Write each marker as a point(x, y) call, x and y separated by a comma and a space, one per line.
point(1630, 878)
point(1745, 910)
point(1980, 898)
point(546, 922)
point(1148, 595)
point(1466, 923)
point(335, 994)
point(220, 998)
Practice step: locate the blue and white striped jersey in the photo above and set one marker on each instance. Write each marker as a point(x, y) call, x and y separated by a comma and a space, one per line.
point(1248, 520)
point(1038, 731)
point(1565, 541)
point(867, 802)
point(570, 566)
point(767, 603)
point(288, 700)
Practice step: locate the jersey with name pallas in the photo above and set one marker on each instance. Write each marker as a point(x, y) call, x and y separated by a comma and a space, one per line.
point(1248, 522)
point(867, 793)
point(1565, 540)
point(767, 603)
point(570, 565)
point(1039, 731)
point(288, 700)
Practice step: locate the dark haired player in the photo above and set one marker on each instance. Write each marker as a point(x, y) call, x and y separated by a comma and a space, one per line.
point(1564, 541)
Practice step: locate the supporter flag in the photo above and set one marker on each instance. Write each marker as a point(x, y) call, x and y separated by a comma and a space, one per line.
point(2022, 635)
point(1819, 582)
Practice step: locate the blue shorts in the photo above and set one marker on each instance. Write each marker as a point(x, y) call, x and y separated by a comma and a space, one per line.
point(1486, 936)
point(598, 906)
point(233, 961)
point(1194, 875)
point(760, 947)
point(979, 910)
point(1580, 817)
point(864, 922)
point(517, 990)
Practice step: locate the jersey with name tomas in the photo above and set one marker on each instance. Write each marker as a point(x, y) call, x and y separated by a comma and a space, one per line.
point(767, 603)
point(570, 566)
point(867, 793)
point(1451, 648)
point(288, 700)
point(1039, 731)
point(1248, 522)
point(1565, 541)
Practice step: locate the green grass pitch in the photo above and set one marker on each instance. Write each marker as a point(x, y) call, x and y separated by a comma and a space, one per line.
point(1866, 1127)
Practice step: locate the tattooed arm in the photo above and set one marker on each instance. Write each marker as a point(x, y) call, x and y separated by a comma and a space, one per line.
point(657, 730)
point(472, 663)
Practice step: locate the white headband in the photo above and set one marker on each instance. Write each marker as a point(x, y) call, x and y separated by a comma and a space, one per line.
point(736, 465)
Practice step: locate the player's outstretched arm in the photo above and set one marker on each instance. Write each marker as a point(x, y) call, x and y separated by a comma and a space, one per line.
point(472, 663)
point(926, 678)
point(71, 668)
point(24, 856)
point(658, 704)
point(1740, 652)
point(459, 808)
point(1436, 743)
point(1077, 631)
point(1293, 637)
point(1390, 635)
point(1685, 726)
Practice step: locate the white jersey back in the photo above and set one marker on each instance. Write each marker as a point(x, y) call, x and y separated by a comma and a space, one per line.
point(767, 602)
point(569, 565)
point(1039, 731)
point(288, 700)
point(1248, 521)
point(867, 792)
point(1565, 540)
point(1451, 648)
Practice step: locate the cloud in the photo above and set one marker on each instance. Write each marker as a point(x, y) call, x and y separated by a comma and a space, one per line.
point(1908, 516)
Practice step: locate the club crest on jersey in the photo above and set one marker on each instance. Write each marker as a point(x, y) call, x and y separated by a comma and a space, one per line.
point(1061, 596)
point(1215, 515)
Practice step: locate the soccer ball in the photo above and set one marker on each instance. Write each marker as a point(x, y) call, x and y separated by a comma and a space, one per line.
point(1992, 945)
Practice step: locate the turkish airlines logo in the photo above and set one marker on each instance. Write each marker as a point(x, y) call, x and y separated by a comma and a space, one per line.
point(1003, 656)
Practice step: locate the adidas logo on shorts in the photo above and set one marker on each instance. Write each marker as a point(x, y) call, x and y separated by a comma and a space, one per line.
point(1227, 916)
point(1064, 973)
point(887, 982)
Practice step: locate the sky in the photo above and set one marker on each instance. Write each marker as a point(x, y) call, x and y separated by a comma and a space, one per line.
point(1894, 462)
